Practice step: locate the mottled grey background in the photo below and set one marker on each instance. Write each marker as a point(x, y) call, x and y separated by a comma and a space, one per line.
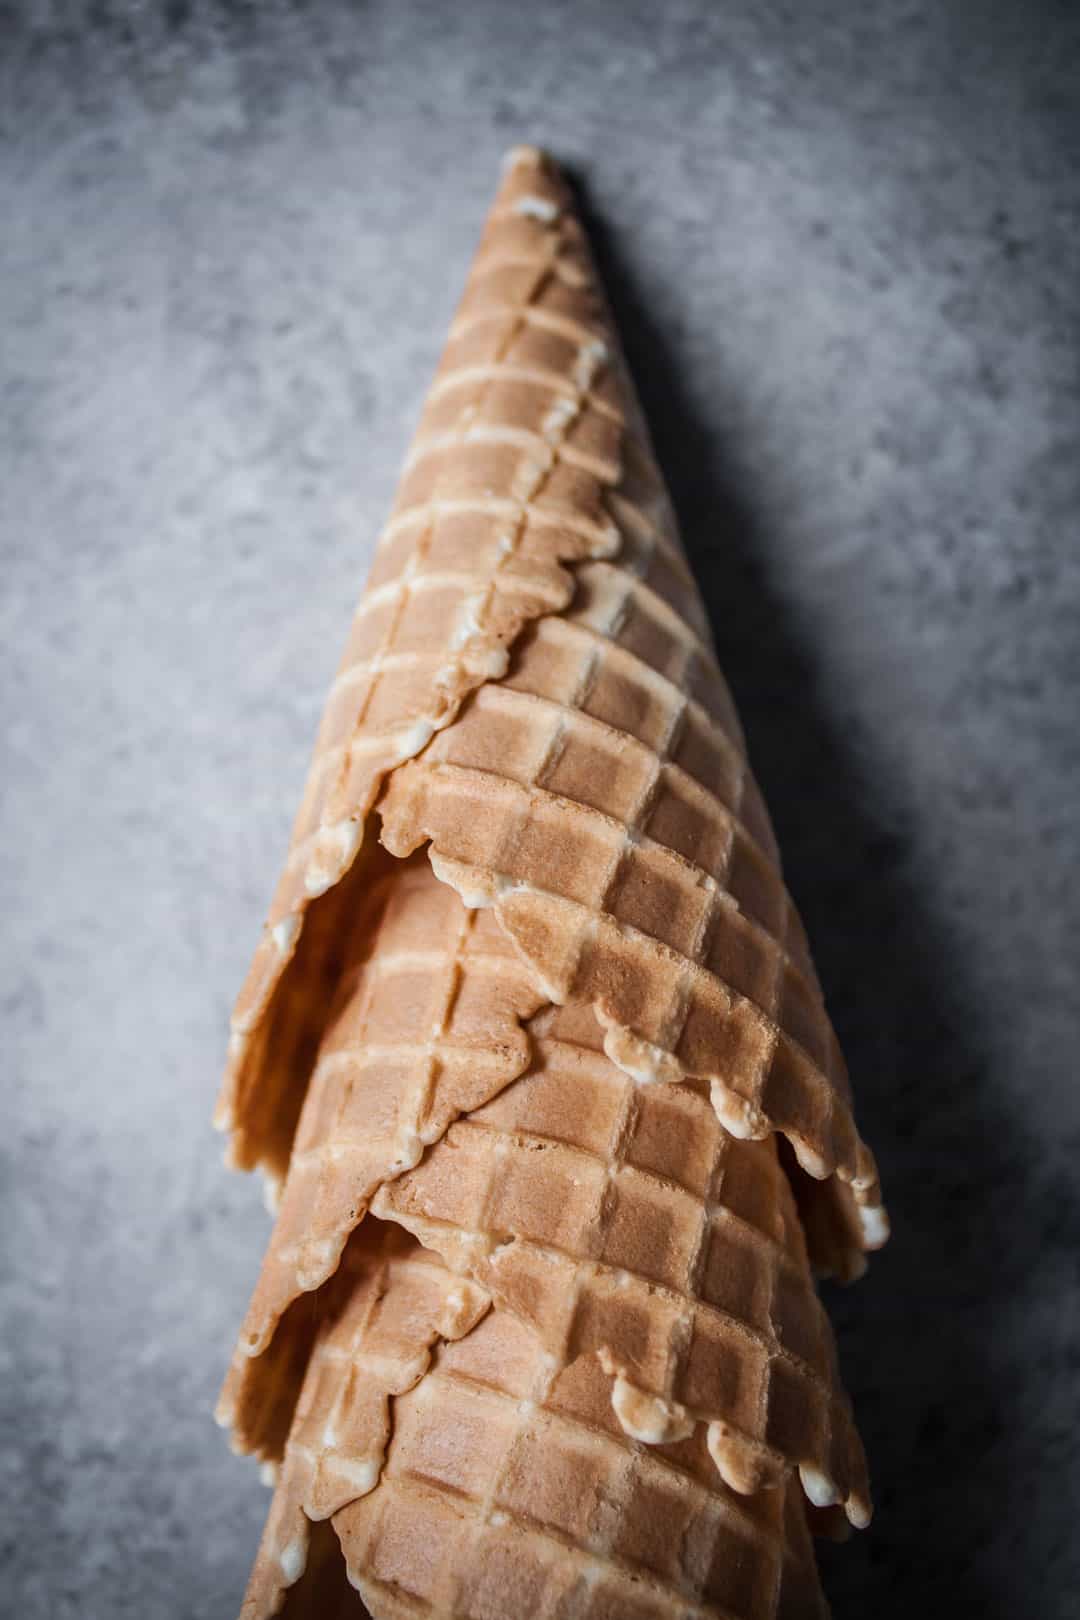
point(844, 242)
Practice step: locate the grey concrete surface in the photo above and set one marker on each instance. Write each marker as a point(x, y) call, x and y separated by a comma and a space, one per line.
point(843, 243)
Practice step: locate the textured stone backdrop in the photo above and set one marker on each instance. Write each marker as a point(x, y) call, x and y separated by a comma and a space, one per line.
point(844, 242)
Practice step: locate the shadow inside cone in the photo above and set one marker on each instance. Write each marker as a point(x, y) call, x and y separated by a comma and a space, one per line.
point(323, 1591)
point(916, 1336)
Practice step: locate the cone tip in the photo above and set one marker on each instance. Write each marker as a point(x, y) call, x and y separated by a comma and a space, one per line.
point(526, 157)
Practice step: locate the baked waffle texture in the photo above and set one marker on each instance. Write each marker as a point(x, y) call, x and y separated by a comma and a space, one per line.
point(594, 790)
point(427, 1026)
point(506, 1487)
point(547, 1078)
point(618, 1221)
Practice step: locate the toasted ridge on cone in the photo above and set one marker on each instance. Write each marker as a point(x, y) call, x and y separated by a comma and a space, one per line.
point(626, 1224)
point(505, 1485)
point(427, 1025)
point(531, 687)
point(620, 1222)
point(388, 1303)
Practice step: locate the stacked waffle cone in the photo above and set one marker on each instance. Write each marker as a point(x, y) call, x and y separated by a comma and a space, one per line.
point(532, 1051)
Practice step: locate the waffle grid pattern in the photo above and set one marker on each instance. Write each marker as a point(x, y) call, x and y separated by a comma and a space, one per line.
point(489, 509)
point(530, 686)
point(619, 1221)
point(387, 1305)
point(610, 830)
point(642, 1233)
point(506, 1488)
point(428, 1025)
point(527, 431)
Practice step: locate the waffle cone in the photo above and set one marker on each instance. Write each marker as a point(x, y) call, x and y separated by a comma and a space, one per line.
point(506, 1487)
point(594, 790)
point(558, 1026)
point(617, 1221)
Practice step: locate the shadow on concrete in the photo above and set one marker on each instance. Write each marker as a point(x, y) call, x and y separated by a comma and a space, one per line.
point(917, 1335)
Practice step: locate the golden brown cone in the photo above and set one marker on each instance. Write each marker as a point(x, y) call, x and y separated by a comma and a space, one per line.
point(507, 1487)
point(504, 486)
point(428, 1024)
point(621, 1222)
point(594, 789)
point(563, 1029)
point(387, 1304)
